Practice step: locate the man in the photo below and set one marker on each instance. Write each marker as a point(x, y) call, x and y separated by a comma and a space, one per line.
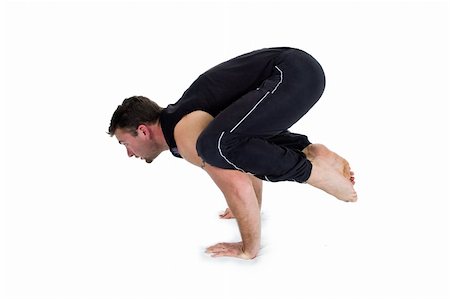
point(233, 122)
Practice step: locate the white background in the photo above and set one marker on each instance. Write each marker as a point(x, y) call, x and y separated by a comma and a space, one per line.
point(82, 220)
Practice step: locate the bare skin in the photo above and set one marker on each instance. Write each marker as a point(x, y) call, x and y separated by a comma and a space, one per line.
point(330, 173)
point(243, 192)
point(341, 165)
point(314, 152)
point(257, 186)
point(236, 186)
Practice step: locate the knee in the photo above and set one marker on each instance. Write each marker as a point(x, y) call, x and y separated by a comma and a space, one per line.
point(215, 147)
point(207, 147)
point(308, 70)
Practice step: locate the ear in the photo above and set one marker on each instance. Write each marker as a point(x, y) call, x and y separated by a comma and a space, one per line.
point(144, 130)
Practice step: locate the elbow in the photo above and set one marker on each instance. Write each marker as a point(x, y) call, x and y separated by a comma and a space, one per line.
point(242, 189)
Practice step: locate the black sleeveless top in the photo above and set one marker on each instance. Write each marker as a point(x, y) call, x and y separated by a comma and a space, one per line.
point(217, 88)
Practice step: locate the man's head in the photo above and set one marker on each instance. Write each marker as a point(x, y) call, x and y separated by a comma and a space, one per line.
point(135, 123)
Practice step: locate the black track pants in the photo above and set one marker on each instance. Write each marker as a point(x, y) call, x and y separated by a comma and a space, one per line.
point(252, 134)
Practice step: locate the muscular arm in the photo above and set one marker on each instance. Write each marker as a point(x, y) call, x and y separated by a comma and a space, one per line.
point(257, 187)
point(238, 188)
point(241, 199)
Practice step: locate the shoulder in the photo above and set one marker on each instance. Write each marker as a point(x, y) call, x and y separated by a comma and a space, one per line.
point(187, 131)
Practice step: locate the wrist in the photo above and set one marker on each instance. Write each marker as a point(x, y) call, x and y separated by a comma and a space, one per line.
point(250, 253)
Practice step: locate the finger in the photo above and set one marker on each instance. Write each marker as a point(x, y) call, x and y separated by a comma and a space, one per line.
point(225, 214)
point(230, 253)
point(219, 254)
point(216, 248)
point(216, 251)
point(211, 249)
point(225, 252)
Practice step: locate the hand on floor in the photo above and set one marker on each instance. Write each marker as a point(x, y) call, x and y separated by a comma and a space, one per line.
point(229, 249)
point(227, 214)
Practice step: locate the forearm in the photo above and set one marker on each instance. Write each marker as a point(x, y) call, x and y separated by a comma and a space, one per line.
point(245, 208)
point(258, 187)
point(241, 198)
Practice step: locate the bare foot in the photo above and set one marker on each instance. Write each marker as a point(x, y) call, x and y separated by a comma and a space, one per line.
point(314, 151)
point(330, 173)
point(227, 214)
point(328, 179)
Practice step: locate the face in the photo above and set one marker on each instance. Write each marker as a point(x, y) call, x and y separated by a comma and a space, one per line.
point(142, 146)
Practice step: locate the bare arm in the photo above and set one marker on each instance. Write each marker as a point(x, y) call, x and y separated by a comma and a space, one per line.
point(241, 198)
point(257, 187)
point(236, 186)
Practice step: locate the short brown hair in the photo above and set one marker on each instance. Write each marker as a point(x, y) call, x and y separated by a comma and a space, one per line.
point(133, 112)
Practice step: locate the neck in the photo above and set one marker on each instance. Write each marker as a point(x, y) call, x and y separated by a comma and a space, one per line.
point(159, 136)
